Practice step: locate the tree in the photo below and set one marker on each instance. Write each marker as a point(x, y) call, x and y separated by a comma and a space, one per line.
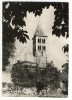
point(52, 76)
point(19, 73)
point(8, 51)
point(48, 76)
point(64, 76)
point(16, 11)
point(65, 48)
point(13, 20)
point(10, 33)
point(22, 75)
point(61, 20)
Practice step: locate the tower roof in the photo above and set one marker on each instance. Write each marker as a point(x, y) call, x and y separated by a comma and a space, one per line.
point(39, 31)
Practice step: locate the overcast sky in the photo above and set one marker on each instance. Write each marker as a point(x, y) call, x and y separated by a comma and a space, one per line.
point(55, 44)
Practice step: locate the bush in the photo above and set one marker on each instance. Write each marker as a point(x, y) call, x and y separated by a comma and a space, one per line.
point(22, 76)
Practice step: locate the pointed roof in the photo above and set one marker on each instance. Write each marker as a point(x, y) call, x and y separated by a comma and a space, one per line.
point(39, 31)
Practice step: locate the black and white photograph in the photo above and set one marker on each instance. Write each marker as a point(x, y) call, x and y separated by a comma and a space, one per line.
point(35, 49)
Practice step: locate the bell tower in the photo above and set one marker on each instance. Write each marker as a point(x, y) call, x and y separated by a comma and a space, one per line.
point(40, 45)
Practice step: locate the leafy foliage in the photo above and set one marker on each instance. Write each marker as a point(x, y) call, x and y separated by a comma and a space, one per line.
point(16, 11)
point(15, 14)
point(64, 75)
point(52, 76)
point(22, 76)
point(8, 51)
point(49, 76)
point(61, 20)
point(66, 48)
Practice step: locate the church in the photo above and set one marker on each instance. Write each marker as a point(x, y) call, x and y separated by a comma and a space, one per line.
point(37, 56)
point(39, 53)
point(33, 70)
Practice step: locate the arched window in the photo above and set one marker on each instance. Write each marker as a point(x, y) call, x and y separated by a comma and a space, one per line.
point(39, 40)
point(43, 40)
point(39, 47)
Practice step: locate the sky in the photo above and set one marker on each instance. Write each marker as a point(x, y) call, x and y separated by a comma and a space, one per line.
point(55, 44)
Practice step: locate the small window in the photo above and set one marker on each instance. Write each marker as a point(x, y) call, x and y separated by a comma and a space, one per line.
point(44, 48)
point(39, 47)
point(39, 40)
point(43, 40)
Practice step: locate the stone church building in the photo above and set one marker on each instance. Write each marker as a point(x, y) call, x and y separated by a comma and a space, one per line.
point(38, 55)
